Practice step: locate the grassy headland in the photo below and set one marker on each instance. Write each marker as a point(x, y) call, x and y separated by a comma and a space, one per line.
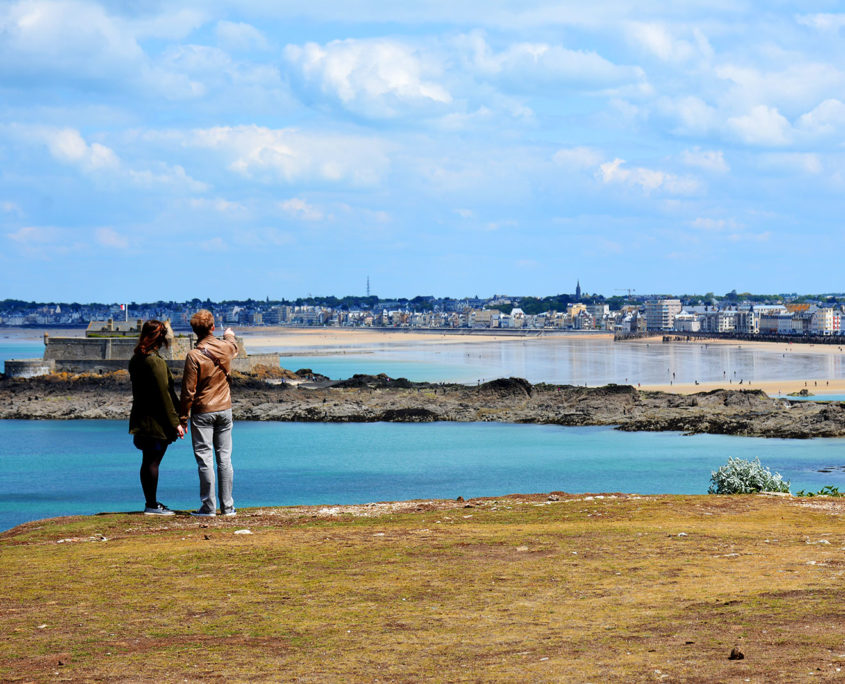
point(520, 588)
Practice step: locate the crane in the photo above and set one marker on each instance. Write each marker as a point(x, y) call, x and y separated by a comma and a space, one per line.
point(629, 290)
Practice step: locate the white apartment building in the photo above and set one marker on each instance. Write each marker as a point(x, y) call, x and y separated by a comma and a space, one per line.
point(660, 313)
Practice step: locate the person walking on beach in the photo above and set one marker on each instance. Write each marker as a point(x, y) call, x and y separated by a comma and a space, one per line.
point(153, 420)
point(206, 399)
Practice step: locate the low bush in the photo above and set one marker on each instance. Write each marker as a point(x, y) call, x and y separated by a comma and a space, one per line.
point(739, 476)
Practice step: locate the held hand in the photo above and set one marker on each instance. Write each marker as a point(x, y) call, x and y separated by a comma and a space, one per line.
point(180, 431)
point(228, 330)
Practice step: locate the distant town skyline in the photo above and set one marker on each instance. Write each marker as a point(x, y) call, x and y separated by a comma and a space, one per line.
point(251, 149)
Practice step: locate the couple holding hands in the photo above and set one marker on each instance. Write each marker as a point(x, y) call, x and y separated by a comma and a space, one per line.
point(158, 417)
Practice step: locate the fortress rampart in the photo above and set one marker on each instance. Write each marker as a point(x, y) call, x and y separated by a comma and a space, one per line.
point(108, 347)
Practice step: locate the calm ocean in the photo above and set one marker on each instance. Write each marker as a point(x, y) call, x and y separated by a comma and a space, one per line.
point(52, 468)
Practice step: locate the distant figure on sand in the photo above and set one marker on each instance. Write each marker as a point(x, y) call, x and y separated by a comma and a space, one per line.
point(153, 420)
point(207, 400)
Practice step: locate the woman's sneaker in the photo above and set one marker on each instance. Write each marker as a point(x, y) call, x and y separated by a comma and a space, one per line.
point(230, 514)
point(158, 509)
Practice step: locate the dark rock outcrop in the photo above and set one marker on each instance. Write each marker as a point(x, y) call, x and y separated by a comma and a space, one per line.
point(369, 398)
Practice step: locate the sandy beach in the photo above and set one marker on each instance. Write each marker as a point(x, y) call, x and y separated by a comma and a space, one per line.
point(773, 388)
point(783, 347)
point(323, 339)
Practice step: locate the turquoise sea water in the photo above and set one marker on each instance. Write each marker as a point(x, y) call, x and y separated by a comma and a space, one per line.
point(52, 468)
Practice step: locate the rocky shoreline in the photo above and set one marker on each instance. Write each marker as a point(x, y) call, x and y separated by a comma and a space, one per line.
point(284, 396)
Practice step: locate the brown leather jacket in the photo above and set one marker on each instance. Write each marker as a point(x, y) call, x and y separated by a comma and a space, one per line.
point(205, 387)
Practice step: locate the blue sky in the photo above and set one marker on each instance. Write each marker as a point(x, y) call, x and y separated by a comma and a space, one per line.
point(271, 148)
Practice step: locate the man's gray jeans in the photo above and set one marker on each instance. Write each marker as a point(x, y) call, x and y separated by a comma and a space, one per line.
point(214, 430)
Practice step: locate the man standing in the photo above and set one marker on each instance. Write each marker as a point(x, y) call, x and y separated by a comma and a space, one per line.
point(206, 398)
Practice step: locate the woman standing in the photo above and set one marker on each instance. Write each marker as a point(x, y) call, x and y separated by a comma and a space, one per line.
point(153, 420)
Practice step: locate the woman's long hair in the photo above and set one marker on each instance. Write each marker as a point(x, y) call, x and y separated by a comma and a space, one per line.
point(153, 336)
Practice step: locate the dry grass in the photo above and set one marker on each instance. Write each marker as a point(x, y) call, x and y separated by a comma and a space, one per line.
point(514, 589)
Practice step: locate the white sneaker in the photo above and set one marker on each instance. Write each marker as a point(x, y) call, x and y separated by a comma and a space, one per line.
point(230, 514)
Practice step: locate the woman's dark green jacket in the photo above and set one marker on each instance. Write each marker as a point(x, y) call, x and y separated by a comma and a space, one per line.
point(154, 399)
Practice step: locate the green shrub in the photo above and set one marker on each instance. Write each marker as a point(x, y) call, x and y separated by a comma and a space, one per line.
point(827, 490)
point(739, 476)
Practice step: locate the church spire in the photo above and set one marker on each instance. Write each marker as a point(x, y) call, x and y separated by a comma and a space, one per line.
point(578, 290)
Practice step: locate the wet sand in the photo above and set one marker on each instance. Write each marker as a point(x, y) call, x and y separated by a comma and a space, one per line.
point(773, 388)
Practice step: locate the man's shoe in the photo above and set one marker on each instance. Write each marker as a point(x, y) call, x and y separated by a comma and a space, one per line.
point(203, 514)
point(158, 509)
point(230, 514)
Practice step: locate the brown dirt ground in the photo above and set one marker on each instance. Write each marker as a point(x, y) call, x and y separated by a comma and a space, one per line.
point(520, 588)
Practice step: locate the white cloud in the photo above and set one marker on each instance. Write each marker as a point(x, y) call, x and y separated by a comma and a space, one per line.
point(648, 180)
point(527, 64)
point(761, 126)
point(465, 213)
point(795, 86)
point(11, 208)
point(77, 44)
point(219, 205)
point(301, 209)
point(822, 21)
point(374, 77)
point(290, 155)
point(578, 157)
point(825, 119)
point(165, 24)
point(238, 36)
point(659, 40)
point(693, 115)
point(709, 160)
point(32, 235)
point(68, 146)
point(714, 225)
point(108, 237)
point(173, 177)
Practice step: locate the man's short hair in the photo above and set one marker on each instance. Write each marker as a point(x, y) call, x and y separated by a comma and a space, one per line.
point(202, 322)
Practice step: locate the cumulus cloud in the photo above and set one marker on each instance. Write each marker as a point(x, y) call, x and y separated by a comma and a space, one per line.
point(648, 180)
point(709, 160)
point(825, 119)
point(762, 125)
point(660, 41)
point(68, 146)
point(77, 44)
point(578, 157)
point(108, 237)
point(299, 208)
point(373, 77)
point(290, 155)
